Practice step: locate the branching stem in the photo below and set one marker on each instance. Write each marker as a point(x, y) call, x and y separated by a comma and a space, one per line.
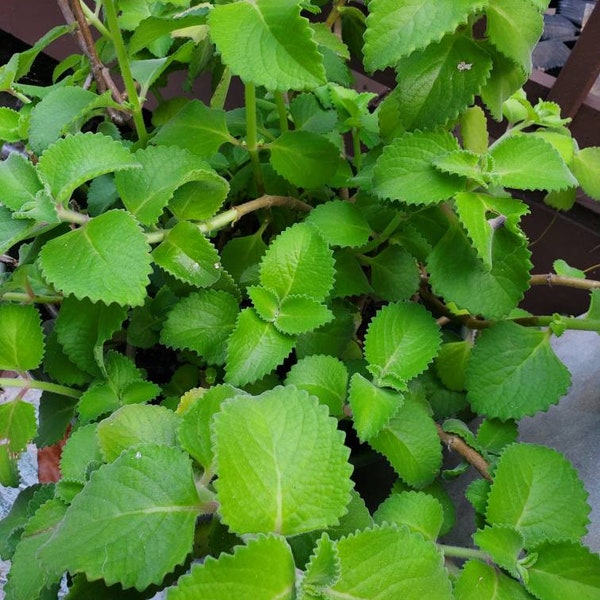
point(456, 443)
point(251, 134)
point(552, 279)
point(460, 552)
point(45, 386)
point(281, 111)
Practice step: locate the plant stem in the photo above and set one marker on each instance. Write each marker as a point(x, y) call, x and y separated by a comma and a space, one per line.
point(281, 111)
point(95, 21)
point(574, 282)
point(251, 133)
point(356, 149)
point(568, 322)
point(334, 15)
point(70, 216)
point(456, 443)
point(384, 235)
point(45, 386)
point(27, 298)
point(460, 552)
point(134, 100)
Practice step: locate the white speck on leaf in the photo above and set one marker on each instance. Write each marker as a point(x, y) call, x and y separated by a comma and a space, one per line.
point(464, 66)
point(138, 455)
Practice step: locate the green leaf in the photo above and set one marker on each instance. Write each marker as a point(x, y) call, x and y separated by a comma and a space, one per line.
point(19, 181)
point(395, 30)
point(136, 424)
point(82, 328)
point(21, 337)
point(562, 199)
point(538, 492)
point(411, 444)
point(71, 161)
point(504, 544)
point(478, 581)
point(402, 339)
point(418, 511)
point(394, 274)
point(562, 268)
point(298, 262)
point(55, 415)
point(322, 376)
point(267, 43)
point(372, 406)
point(299, 314)
point(240, 257)
point(234, 575)
point(493, 435)
point(200, 199)
point(186, 254)
point(323, 568)
point(370, 562)
point(9, 125)
point(107, 260)
point(472, 209)
point(404, 171)
point(543, 170)
point(451, 363)
point(565, 571)
point(473, 130)
point(514, 372)
point(81, 449)
point(454, 69)
point(110, 529)
point(340, 223)
point(254, 349)
point(202, 322)
point(64, 110)
point(306, 159)
point(275, 453)
point(514, 27)
point(350, 279)
point(586, 166)
point(308, 114)
point(18, 425)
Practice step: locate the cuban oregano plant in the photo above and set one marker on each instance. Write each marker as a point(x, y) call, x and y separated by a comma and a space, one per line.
point(227, 306)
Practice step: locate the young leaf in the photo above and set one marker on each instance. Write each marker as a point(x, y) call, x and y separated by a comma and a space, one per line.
point(473, 130)
point(340, 223)
point(71, 161)
point(241, 256)
point(323, 568)
point(478, 581)
point(9, 125)
point(274, 453)
point(394, 274)
point(513, 372)
point(21, 337)
point(186, 254)
point(298, 261)
point(299, 314)
point(18, 424)
point(19, 182)
point(106, 260)
point(306, 159)
point(451, 363)
point(418, 511)
point(402, 339)
point(538, 492)
point(395, 30)
point(267, 43)
point(585, 166)
point(504, 544)
point(493, 435)
point(81, 449)
point(110, 529)
point(234, 575)
point(404, 171)
point(388, 563)
point(322, 376)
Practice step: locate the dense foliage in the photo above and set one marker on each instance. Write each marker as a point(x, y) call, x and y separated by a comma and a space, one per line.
point(214, 301)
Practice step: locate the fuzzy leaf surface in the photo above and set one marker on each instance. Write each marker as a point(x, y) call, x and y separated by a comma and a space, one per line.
point(71, 161)
point(538, 492)
point(109, 530)
point(323, 568)
point(234, 575)
point(274, 454)
point(267, 43)
point(405, 170)
point(21, 337)
point(402, 339)
point(478, 581)
point(299, 314)
point(106, 260)
point(394, 274)
point(81, 449)
point(17, 425)
point(451, 363)
point(19, 181)
point(396, 29)
point(586, 166)
point(503, 543)
point(340, 223)
point(521, 373)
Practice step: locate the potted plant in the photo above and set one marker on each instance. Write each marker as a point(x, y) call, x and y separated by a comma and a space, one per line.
point(228, 309)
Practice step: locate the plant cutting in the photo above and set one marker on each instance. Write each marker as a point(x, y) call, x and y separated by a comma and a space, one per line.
point(229, 307)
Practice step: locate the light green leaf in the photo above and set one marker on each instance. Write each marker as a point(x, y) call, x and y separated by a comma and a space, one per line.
point(275, 454)
point(418, 511)
point(493, 435)
point(478, 581)
point(513, 372)
point(306, 159)
point(586, 167)
point(136, 424)
point(473, 130)
point(543, 170)
point(266, 303)
point(299, 314)
point(394, 274)
point(322, 376)
point(9, 125)
point(340, 223)
point(370, 562)
point(538, 492)
point(241, 256)
point(372, 406)
point(562, 268)
point(82, 449)
point(402, 339)
point(472, 210)
point(110, 530)
point(308, 114)
point(564, 571)
point(254, 349)
point(350, 279)
point(21, 337)
point(14, 230)
point(454, 69)
point(19, 181)
point(186, 254)
point(395, 30)
point(451, 363)
point(202, 322)
point(234, 575)
point(411, 444)
point(404, 171)
point(195, 127)
point(18, 425)
point(514, 27)
point(71, 161)
point(504, 544)
point(298, 262)
point(323, 568)
point(562, 199)
point(267, 43)
point(466, 164)
point(106, 260)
